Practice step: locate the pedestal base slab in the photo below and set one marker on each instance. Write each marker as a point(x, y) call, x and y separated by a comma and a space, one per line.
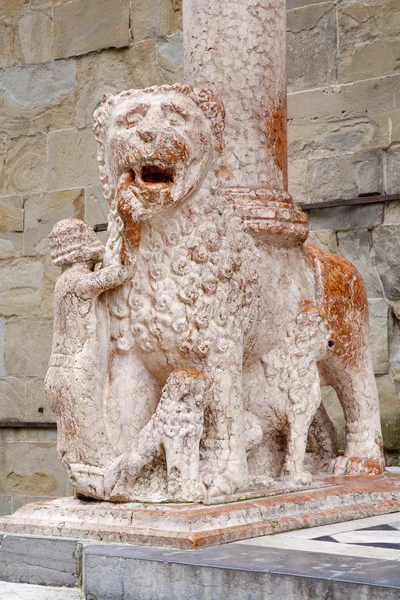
point(189, 526)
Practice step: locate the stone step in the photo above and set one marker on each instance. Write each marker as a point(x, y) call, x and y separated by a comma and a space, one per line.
point(306, 564)
point(237, 571)
point(24, 591)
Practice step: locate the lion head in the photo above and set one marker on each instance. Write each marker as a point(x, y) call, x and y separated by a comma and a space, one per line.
point(156, 145)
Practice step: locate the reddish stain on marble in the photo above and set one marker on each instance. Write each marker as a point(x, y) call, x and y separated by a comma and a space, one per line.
point(276, 132)
point(344, 301)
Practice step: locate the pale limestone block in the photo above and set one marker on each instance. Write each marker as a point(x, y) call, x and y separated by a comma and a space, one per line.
point(50, 276)
point(346, 217)
point(2, 166)
point(50, 103)
point(345, 118)
point(12, 7)
point(361, 60)
point(96, 210)
point(369, 38)
point(324, 239)
point(335, 412)
point(290, 4)
point(355, 245)
point(12, 435)
point(155, 19)
point(40, 3)
point(84, 26)
point(6, 505)
point(389, 402)
point(311, 46)
point(26, 164)
point(28, 345)
point(110, 71)
point(392, 172)
point(21, 286)
point(36, 406)
point(378, 334)
point(11, 214)
point(389, 407)
point(48, 435)
point(394, 340)
point(96, 206)
point(336, 137)
point(11, 245)
point(393, 125)
point(12, 399)
point(71, 159)
point(386, 242)
point(35, 33)
point(341, 177)
point(42, 211)
point(10, 53)
point(392, 213)
point(298, 180)
point(2, 346)
point(170, 59)
point(31, 469)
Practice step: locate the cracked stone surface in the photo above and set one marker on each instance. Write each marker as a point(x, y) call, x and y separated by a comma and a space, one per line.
point(188, 353)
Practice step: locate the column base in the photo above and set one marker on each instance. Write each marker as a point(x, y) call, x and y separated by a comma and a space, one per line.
point(270, 215)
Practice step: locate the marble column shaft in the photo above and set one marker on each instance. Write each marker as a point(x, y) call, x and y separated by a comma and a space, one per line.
point(238, 48)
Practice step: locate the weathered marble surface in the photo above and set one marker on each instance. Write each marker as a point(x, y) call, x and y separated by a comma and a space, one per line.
point(190, 526)
point(239, 50)
point(188, 366)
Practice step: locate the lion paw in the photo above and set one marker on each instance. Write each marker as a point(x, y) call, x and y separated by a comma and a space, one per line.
point(226, 484)
point(302, 478)
point(353, 465)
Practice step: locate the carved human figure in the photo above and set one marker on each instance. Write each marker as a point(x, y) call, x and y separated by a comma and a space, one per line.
point(77, 370)
point(210, 293)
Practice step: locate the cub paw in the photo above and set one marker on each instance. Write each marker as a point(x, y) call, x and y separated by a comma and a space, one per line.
point(303, 478)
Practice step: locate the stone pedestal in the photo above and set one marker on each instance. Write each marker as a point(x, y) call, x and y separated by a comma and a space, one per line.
point(190, 526)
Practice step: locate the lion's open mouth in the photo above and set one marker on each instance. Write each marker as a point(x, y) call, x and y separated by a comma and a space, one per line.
point(155, 175)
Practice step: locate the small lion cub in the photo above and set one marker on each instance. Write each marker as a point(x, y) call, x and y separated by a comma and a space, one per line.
point(77, 372)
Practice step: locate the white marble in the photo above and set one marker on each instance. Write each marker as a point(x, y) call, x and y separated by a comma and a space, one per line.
point(368, 537)
point(348, 549)
point(188, 355)
point(22, 591)
point(346, 535)
point(314, 532)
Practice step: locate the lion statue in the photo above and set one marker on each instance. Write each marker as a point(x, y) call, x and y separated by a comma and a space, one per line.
point(265, 323)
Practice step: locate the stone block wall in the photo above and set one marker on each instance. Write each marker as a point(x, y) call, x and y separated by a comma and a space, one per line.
point(57, 58)
point(344, 142)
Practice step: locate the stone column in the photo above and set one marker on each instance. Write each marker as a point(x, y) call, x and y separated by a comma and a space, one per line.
point(238, 49)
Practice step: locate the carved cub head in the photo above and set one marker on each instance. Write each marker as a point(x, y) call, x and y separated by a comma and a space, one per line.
point(156, 145)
